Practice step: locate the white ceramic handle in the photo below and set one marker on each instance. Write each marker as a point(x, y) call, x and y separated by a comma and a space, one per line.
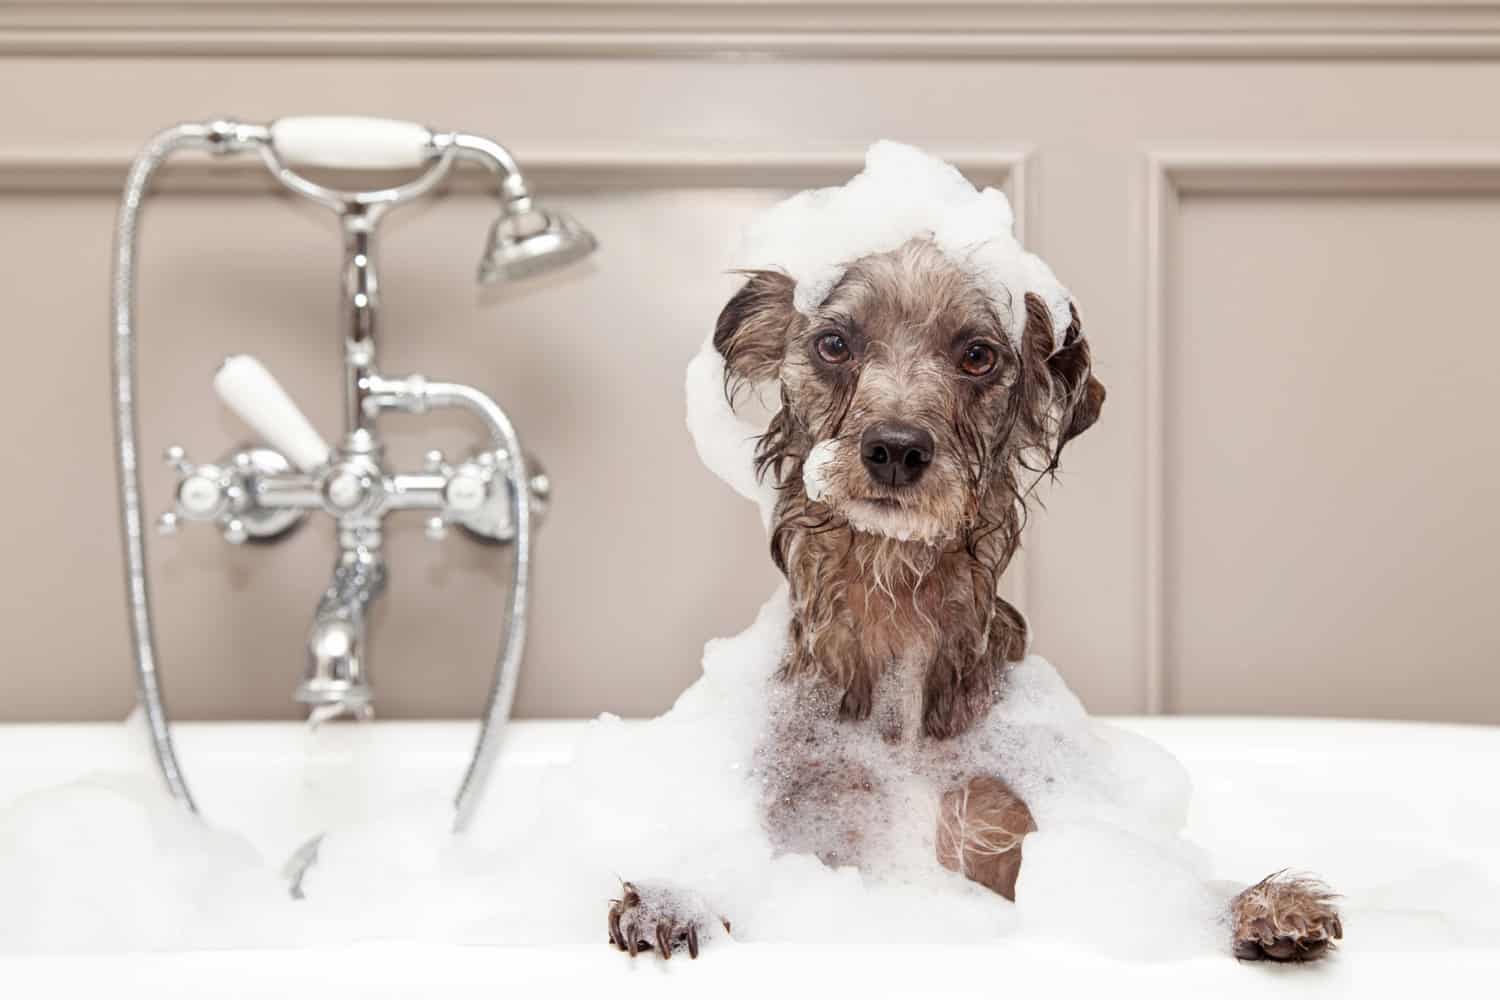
point(349, 141)
point(259, 400)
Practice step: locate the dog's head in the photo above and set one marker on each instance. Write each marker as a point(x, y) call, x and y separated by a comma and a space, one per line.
point(907, 407)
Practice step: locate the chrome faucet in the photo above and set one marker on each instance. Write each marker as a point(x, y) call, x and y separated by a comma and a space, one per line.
point(336, 680)
point(262, 492)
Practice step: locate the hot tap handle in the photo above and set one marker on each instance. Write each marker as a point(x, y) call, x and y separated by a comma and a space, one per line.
point(223, 493)
point(253, 393)
point(204, 492)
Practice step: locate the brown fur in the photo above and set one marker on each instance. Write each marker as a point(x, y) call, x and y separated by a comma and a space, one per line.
point(889, 580)
point(980, 828)
point(896, 618)
point(863, 597)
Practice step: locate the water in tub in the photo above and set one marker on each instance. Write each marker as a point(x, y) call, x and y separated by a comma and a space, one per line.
point(110, 862)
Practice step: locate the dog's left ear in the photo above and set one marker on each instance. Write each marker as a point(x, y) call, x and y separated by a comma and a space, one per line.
point(753, 328)
point(1075, 394)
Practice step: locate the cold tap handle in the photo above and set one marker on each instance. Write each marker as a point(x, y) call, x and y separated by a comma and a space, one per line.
point(351, 142)
point(259, 400)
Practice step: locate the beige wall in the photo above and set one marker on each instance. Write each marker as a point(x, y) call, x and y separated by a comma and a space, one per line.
point(1280, 219)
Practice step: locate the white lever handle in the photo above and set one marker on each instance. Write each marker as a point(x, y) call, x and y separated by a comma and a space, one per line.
point(259, 400)
point(351, 142)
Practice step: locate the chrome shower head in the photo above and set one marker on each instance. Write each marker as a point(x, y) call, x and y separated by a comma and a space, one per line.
point(526, 240)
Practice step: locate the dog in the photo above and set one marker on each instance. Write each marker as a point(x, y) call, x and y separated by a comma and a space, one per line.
point(915, 419)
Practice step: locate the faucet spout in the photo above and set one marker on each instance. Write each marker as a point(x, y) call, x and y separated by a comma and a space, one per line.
point(337, 680)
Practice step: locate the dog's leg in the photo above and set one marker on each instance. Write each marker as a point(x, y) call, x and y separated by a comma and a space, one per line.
point(661, 918)
point(818, 800)
point(1284, 918)
point(963, 680)
point(980, 828)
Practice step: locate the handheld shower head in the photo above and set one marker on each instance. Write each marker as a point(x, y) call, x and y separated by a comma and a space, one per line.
point(526, 240)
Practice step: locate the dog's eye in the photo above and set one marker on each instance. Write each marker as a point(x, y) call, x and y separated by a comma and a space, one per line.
point(978, 359)
point(833, 348)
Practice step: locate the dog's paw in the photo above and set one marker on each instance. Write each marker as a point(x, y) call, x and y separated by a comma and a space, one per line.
point(1285, 918)
point(659, 917)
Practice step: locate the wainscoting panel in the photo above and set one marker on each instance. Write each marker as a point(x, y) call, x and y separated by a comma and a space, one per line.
point(1325, 390)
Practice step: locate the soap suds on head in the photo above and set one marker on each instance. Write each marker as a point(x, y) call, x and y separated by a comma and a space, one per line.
point(903, 193)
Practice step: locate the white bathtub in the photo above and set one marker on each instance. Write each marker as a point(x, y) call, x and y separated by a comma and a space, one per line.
point(1269, 793)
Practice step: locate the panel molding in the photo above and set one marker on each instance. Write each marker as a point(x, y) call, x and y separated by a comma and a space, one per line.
point(41, 170)
point(1173, 173)
point(1096, 29)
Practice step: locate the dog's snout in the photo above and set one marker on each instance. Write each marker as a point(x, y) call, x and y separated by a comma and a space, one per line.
point(895, 454)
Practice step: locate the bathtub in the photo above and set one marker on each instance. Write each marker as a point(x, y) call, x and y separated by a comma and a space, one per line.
point(1268, 793)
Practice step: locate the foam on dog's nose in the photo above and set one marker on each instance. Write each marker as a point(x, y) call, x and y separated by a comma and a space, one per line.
point(814, 469)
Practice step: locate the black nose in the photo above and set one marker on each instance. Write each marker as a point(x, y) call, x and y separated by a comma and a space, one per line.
point(895, 454)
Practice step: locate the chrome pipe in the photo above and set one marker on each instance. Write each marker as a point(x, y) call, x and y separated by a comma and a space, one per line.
point(294, 492)
point(422, 491)
point(358, 310)
point(415, 393)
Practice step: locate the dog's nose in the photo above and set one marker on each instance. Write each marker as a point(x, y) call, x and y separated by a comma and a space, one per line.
point(895, 454)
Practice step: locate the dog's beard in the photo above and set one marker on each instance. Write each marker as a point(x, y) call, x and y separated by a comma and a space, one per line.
point(931, 512)
point(833, 477)
point(892, 519)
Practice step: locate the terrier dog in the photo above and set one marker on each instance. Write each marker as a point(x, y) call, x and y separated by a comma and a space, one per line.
point(913, 425)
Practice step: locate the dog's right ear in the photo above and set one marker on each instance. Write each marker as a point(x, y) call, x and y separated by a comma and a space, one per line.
point(753, 329)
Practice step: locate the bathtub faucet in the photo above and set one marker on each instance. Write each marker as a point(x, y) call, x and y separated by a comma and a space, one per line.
point(262, 492)
point(335, 680)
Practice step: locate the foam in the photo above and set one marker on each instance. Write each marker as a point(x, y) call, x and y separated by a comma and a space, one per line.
point(815, 465)
point(903, 193)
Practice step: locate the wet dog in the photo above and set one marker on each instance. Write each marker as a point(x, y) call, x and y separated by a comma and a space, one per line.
point(914, 421)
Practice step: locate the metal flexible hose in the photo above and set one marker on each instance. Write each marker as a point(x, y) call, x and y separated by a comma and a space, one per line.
point(122, 337)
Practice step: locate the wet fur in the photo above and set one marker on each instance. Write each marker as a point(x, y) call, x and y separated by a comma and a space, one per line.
point(1285, 918)
point(906, 584)
point(896, 617)
point(862, 596)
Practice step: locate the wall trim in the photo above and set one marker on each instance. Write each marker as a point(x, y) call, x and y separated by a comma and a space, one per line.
point(1171, 174)
point(69, 170)
point(955, 29)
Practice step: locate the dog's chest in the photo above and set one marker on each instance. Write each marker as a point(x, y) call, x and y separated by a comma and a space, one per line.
point(898, 621)
point(898, 704)
point(896, 616)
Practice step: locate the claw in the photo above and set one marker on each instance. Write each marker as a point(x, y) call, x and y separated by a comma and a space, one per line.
point(643, 923)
